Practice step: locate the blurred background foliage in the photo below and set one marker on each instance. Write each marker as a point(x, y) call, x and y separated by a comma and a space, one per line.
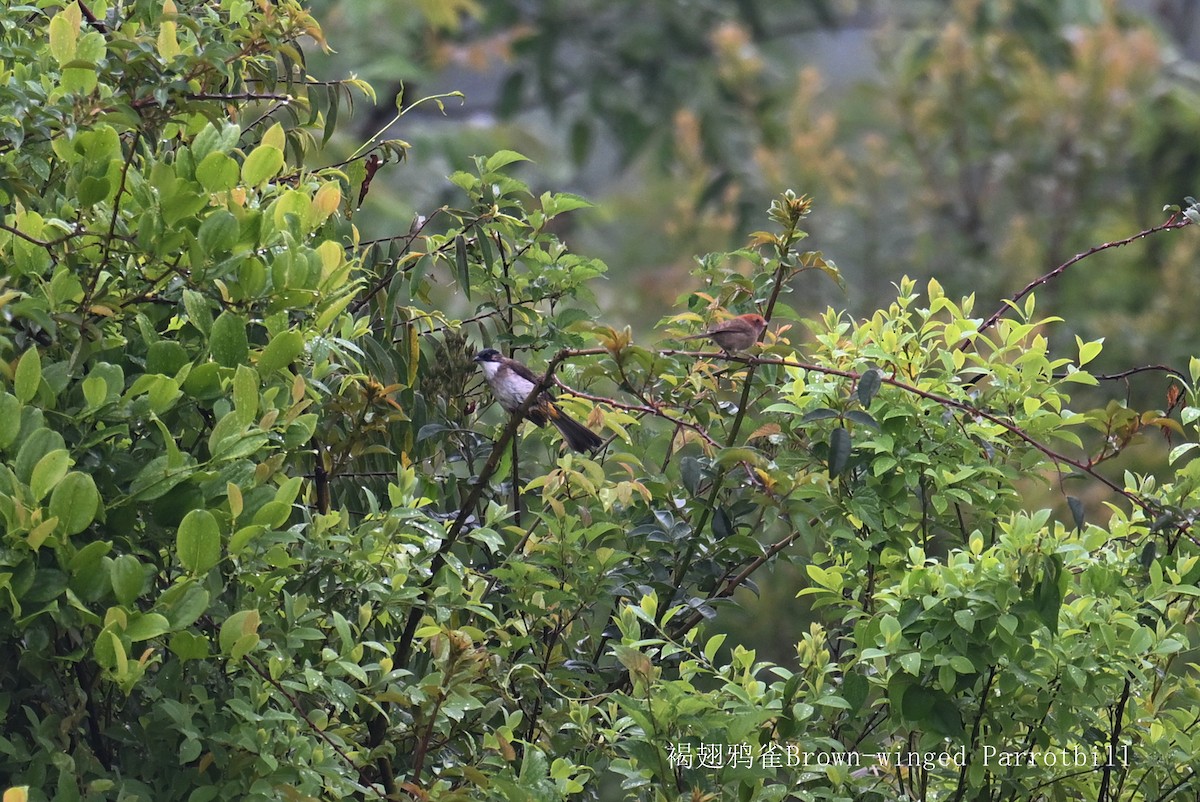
point(979, 141)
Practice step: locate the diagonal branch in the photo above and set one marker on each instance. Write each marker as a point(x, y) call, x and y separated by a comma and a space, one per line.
point(404, 647)
point(1170, 224)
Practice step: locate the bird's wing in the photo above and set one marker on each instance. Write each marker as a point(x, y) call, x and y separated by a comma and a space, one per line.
point(523, 372)
point(729, 325)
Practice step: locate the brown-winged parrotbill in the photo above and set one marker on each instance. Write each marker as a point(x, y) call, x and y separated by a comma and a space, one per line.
point(511, 384)
point(735, 334)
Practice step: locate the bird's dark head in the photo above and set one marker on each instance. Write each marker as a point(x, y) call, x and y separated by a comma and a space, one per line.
point(488, 355)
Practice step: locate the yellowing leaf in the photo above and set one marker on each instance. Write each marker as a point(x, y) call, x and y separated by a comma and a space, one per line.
point(168, 41)
point(274, 137)
point(332, 254)
point(64, 35)
point(325, 202)
point(263, 163)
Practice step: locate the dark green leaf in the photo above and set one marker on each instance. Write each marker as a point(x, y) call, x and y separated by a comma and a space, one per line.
point(198, 541)
point(868, 385)
point(690, 472)
point(463, 274)
point(721, 524)
point(839, 451)
point(860, 417)
point(430, 430)
point(1076, 511)
point(1148, 553)
point(228, 342)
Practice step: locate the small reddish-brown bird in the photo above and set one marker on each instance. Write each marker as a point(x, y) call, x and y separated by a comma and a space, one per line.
point(735, 334)
point(511, 384)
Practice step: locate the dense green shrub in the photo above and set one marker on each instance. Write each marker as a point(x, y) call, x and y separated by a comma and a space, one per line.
point(263, 539)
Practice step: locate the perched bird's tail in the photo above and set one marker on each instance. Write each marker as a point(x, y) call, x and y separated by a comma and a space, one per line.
point(579, 437)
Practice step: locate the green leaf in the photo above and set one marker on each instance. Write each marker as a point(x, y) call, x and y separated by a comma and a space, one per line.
point(1089, 350)
point(198, 541)
point(690, 472)
point(157, 478)
point(217, 172)
point(855, 689)
point(218, 233)
point(965, 619)
point(10, 419)
point(945, 718)
point(273, 514)
point(503, 158)
point(165, 357)
point(95, 391)
point(462, 272)
point(197, 310)
point(962, 664)
point(862, 418)
point(75, 502)
point(722, 526)
point(558, 203)
point(92, 190)
point(245, 393)
point(839, 451)
point(868, 385)
point(263, 163)
point(189, 646)
point(144, 626)
point(1048, 596)
point(48, 472)
point(227, 341)
point(829, 580)
point(280, 352)
point(242, 537)
point(64, 38)
point(127, 577)
point(28, 375)
point(910, 662)
point(239, 633)
point(38, 443)
point(184, 604)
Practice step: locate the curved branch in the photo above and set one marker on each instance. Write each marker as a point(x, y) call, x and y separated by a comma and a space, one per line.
point(1170, 224)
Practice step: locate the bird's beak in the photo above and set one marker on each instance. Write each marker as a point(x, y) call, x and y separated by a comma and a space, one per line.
point(476, 358)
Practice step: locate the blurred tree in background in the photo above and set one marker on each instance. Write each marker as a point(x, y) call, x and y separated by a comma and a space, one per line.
point(982, 141)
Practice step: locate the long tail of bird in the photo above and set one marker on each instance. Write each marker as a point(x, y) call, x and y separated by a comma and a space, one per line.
point(579, 437)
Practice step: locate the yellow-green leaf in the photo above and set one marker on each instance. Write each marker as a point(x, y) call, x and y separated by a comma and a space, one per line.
point(198, 541)
point(64, 38)
point(28, 375)
point(280, 352)
point(75, 501)
point(48, 472)
point(239, 633)
point(263, 163)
